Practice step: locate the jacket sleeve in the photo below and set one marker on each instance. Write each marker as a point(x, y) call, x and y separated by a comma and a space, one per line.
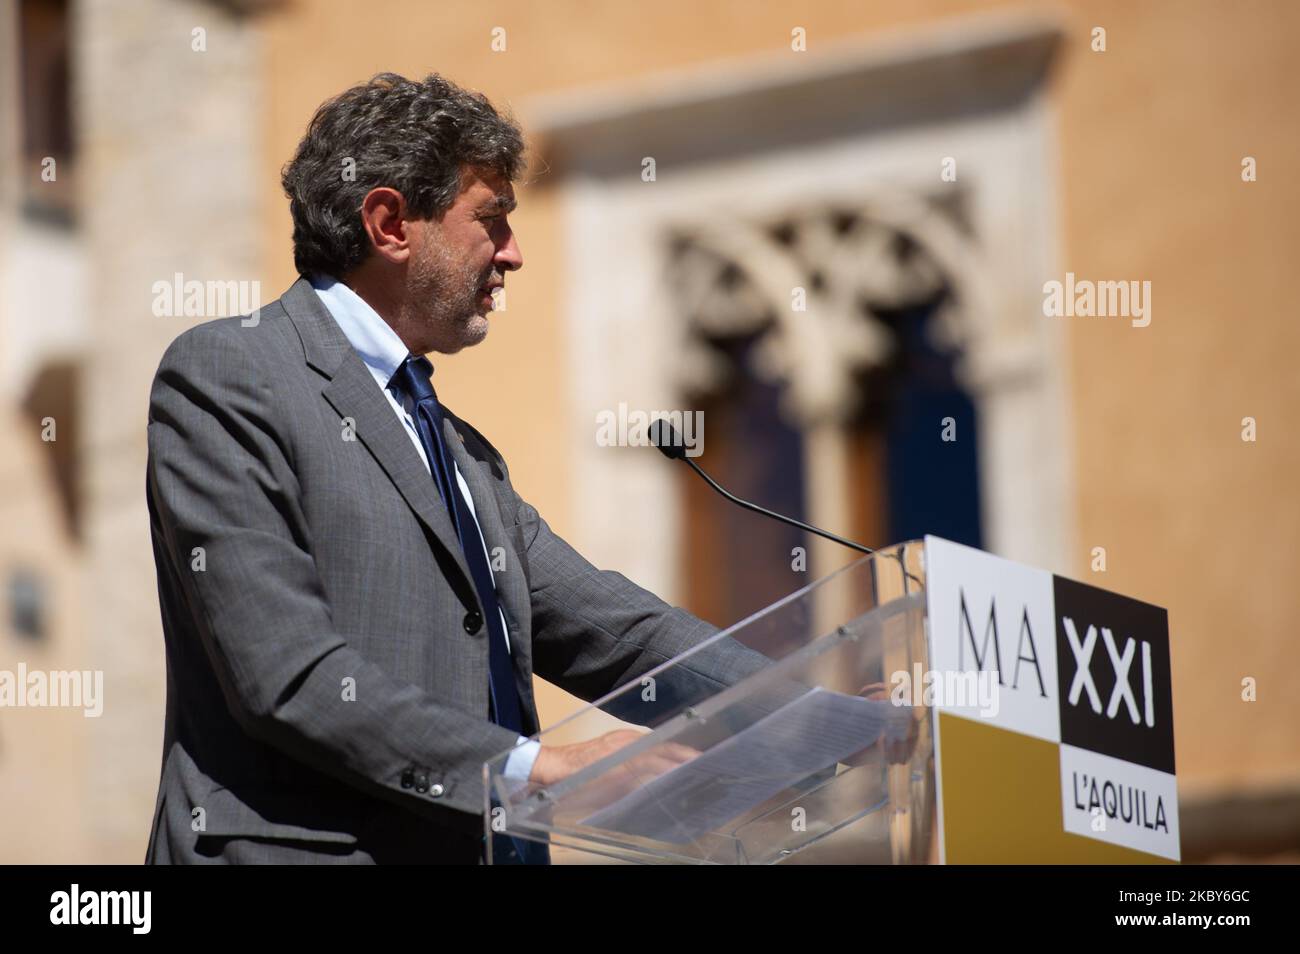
point(220, 477)
point(595, 630)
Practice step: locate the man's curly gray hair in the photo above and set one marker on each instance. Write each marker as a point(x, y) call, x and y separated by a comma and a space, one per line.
point(414, 137)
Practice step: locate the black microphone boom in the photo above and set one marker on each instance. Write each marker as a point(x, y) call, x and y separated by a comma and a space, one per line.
point(664, 436)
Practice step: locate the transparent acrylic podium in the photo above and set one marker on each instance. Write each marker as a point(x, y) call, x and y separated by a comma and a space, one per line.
point(776, 739)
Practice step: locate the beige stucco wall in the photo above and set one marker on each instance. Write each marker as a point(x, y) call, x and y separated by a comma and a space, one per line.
point(46, 816)
point(1152, 136)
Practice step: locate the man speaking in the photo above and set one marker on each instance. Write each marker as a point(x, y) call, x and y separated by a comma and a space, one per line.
point(354, 598)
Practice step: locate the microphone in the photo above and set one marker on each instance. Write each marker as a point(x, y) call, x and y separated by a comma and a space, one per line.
point(664, 436)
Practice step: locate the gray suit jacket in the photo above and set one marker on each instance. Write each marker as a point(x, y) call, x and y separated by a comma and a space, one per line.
point(327, 665)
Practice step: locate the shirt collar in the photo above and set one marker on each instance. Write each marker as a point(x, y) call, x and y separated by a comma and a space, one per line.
point(371, 337)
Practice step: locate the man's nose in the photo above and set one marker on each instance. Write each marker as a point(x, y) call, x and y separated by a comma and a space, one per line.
point(508, 255)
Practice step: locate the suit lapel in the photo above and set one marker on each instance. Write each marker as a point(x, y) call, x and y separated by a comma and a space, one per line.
point(352, 392)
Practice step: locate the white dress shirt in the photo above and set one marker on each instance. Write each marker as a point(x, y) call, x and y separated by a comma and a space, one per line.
point(383, 352)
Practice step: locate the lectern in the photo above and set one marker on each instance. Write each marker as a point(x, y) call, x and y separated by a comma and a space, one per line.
point(769, 782)
point(815, 730)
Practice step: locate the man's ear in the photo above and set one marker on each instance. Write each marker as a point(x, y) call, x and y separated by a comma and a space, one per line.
point(384, 216)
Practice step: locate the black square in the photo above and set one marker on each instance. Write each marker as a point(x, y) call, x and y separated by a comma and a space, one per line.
point(1150, 741)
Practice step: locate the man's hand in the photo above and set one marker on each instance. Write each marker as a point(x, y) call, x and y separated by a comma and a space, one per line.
point(899, 736)
point(555, 762)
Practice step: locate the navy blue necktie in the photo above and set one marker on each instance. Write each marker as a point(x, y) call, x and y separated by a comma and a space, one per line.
point(412, 383)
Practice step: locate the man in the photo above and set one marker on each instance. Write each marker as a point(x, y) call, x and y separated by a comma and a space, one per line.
point(354, 598)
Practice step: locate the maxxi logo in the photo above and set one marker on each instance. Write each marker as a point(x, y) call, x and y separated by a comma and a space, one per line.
point(102, 907)
point(1113, 674)
point(1120, 665)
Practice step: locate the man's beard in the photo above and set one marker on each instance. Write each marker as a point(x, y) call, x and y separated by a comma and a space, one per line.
point(445, 298)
